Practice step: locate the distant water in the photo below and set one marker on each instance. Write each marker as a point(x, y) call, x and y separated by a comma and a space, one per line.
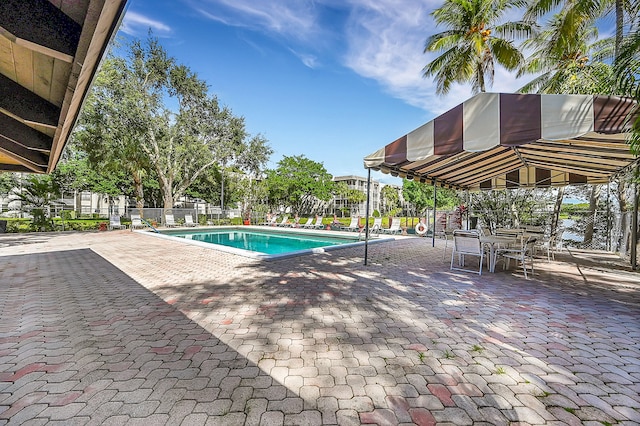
point(566, 235)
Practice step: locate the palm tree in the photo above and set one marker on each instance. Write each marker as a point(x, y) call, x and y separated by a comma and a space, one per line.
point(575, 12)
point(564, 63)
point(473, 43)
point(627, 68)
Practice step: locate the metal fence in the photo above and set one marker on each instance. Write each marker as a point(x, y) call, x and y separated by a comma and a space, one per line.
point(604, 230)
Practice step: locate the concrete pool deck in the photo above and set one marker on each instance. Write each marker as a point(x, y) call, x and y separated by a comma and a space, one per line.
point(119, 328)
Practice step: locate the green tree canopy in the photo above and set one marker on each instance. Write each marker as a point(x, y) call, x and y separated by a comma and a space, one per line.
point(421, 196)
point(298, 182)
point(7, 183)
point(390, 199)
point(147, 112)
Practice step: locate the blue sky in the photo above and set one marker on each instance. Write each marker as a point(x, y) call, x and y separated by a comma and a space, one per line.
point(333, 80)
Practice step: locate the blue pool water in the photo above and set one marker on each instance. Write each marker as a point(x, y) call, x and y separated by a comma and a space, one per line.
point(265, 243)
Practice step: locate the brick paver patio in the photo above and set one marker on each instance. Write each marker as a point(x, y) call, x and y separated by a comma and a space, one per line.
point(121, 328)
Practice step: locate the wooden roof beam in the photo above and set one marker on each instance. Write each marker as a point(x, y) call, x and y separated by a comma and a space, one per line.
point(34, 160)
point(18, 168)
point(25, 104)
point(24, 135)
point(40, 26)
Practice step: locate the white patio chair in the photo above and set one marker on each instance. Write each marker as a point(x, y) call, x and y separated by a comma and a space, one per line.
point(169, 221)
point(308, 223)
point(188, 221)
point(318, 223)
point(353, 225)
point(466, 243)
point(283, 222)
point(394, 228)
point(522, 254)
point(136, 222)
point(114, 222)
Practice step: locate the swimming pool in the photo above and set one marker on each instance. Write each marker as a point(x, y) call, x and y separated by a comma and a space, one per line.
point(266, 243)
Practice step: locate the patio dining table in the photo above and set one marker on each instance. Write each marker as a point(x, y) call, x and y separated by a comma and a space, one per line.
point(494, 241)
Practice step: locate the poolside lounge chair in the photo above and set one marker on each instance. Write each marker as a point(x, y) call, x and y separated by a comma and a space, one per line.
point(317, 224)
point(169, 221)
point(283, 222)
point(114, 222)
point(294, 224)
point(394, 228)
point(271, 220)
point(354, 225)
point(307, 224)
point(188, 220)
point(373, 230)
point(136, 222)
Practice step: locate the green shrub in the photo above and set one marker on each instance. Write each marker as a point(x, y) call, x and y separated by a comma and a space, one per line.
point(67, 214)
point(40, 221)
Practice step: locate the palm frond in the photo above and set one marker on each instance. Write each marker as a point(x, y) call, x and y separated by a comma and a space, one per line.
point(506, 54)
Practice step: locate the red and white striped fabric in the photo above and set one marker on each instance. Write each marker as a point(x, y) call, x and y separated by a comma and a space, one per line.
point(505, 125)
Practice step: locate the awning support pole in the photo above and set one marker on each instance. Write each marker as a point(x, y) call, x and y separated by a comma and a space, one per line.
point(608, 218)
point(435, 199)
point(366, 223)
point(634, 223)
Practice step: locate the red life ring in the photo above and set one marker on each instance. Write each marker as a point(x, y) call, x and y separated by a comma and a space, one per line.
point(421, 228)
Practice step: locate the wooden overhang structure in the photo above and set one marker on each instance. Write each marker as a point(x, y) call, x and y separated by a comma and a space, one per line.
point(50, 51)
point(501, 140)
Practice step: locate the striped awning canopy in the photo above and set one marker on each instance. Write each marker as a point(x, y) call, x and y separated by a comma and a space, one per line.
point(500, 140)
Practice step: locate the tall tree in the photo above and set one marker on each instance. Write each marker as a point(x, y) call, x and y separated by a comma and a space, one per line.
point(473, 43)
point(390, 199)
point(132, 120)
point(563, 63)
point(298, 183)
point(421, 196)
point(575, 14)
point(627, 68)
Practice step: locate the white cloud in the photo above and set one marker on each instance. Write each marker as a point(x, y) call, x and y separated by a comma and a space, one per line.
point(386, 43)
point(288, 18)
point(382, 40)
point(136, 24)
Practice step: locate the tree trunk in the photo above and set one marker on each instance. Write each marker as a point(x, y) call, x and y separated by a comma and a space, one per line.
point(167, 196)
point(593, 208)
point(556, 210)
point(138, 191)
point(619, 27)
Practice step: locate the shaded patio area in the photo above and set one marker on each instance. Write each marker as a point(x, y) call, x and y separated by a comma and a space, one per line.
point(120, 328)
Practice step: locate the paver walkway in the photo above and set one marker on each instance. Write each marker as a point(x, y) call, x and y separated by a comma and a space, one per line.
point(121, 328)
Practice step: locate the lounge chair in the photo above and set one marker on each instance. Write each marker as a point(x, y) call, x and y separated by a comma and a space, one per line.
point(188, 220)
point(136, 221)
point(307, 224)
point(354, 225)
point(283, 222)
point(317, 224)
point(169, 221)
point(374, 229)
point(114, 222)
point(295, 223)
point(394, 228)
point(270, 220)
